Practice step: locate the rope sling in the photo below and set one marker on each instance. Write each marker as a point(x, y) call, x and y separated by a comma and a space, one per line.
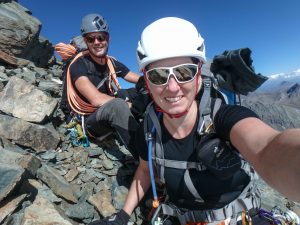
point(76, 103)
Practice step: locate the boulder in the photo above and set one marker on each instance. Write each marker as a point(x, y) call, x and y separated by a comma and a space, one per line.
point(25, 101)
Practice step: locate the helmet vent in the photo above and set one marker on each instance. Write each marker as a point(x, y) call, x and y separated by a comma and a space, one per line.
point(140, 55)
point(98, 23)
point(200, 48)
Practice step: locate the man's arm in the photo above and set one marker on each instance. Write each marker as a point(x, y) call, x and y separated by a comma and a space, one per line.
point(132, 77)
point(274, 155)
point(138, 188)
point(90, 92)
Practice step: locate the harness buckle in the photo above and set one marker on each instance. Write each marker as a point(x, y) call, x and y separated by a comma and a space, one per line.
point(149, 136)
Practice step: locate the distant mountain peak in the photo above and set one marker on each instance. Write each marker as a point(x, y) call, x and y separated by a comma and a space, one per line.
point(280, 80)
point(294, 73)
point(294, 89)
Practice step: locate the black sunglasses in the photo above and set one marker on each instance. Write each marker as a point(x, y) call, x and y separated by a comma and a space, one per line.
point(91, 38)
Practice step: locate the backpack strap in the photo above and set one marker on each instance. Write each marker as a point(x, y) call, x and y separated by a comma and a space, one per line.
point(110, 77)
point(113, 83)
point(205, 106)
point(151, 125)
point(158, 153)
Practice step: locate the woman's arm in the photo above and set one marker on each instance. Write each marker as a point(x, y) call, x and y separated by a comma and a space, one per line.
point(138, 188)
point(274, 155)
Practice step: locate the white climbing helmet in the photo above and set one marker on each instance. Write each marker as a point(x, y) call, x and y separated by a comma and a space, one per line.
point(167, 38)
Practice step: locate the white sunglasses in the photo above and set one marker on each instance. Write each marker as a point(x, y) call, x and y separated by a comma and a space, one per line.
point(183, 73)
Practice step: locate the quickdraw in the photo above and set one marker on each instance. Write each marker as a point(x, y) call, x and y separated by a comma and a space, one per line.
point(246, 219)
point(77, 132)
point(279, 217)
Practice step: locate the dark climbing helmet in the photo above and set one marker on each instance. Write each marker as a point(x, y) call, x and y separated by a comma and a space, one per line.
point(93, 23)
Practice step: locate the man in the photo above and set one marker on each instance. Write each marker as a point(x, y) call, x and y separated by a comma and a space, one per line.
point(92, 83)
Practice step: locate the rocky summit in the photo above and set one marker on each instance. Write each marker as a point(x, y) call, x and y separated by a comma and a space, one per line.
point(44, 177)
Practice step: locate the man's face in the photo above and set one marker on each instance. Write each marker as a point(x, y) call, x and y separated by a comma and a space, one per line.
point(97, 43)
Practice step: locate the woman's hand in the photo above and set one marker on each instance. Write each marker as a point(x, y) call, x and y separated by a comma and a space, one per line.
point(120, 218)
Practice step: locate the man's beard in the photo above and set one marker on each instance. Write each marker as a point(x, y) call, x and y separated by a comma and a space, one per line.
point(99, 56)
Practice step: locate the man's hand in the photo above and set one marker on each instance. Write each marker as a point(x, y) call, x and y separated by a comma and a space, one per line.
point(120, 218)
point(129, 104)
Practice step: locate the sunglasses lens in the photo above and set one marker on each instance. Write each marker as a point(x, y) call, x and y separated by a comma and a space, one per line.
point(183, 73)
point(91, 39)
point(158, 76)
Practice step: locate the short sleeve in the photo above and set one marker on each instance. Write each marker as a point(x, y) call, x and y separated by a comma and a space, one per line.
point(227, 116)
point(77, 69)
point(121, 69)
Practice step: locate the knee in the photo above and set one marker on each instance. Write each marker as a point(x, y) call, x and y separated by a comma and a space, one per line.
point(116, 108)
point(119, 106)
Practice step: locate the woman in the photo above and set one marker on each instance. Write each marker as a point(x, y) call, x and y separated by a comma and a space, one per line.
point(170, 54)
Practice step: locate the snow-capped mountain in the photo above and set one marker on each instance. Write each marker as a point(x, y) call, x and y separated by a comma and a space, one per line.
point(279, 81)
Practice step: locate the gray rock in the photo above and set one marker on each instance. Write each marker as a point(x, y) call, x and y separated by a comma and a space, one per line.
point(37, 137)
point(10, 177)
point(81, 210)
point(31, 163)
point(71, 175)
point(102, 202)
point(95, 152)
point(43, 211)
point(20, 36)
point(6, 144)
point(10, 206)
point(3, 77)
point(56, 182)
point(119, 194)
point(25, 101)
point(50, 86)
point(42, 190)
point(107, 164)
point(27, 75)
point(10, 157)
point(48, 155)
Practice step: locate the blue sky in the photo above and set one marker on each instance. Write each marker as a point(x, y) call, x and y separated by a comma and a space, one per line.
point(271, 29)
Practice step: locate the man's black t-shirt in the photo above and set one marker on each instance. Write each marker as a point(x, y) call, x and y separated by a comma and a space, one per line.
point(86, 66)
point(215, 192)
point(79, 68)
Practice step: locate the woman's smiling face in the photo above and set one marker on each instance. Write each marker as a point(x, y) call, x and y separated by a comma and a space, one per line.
point(173, 98)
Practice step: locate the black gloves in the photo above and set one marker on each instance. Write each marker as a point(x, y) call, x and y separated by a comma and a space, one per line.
point(142, 99)
point(234, 72)
point(120, 218)
point(141, 84)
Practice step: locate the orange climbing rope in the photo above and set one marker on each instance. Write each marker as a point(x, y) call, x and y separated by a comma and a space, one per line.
point(77, 104)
